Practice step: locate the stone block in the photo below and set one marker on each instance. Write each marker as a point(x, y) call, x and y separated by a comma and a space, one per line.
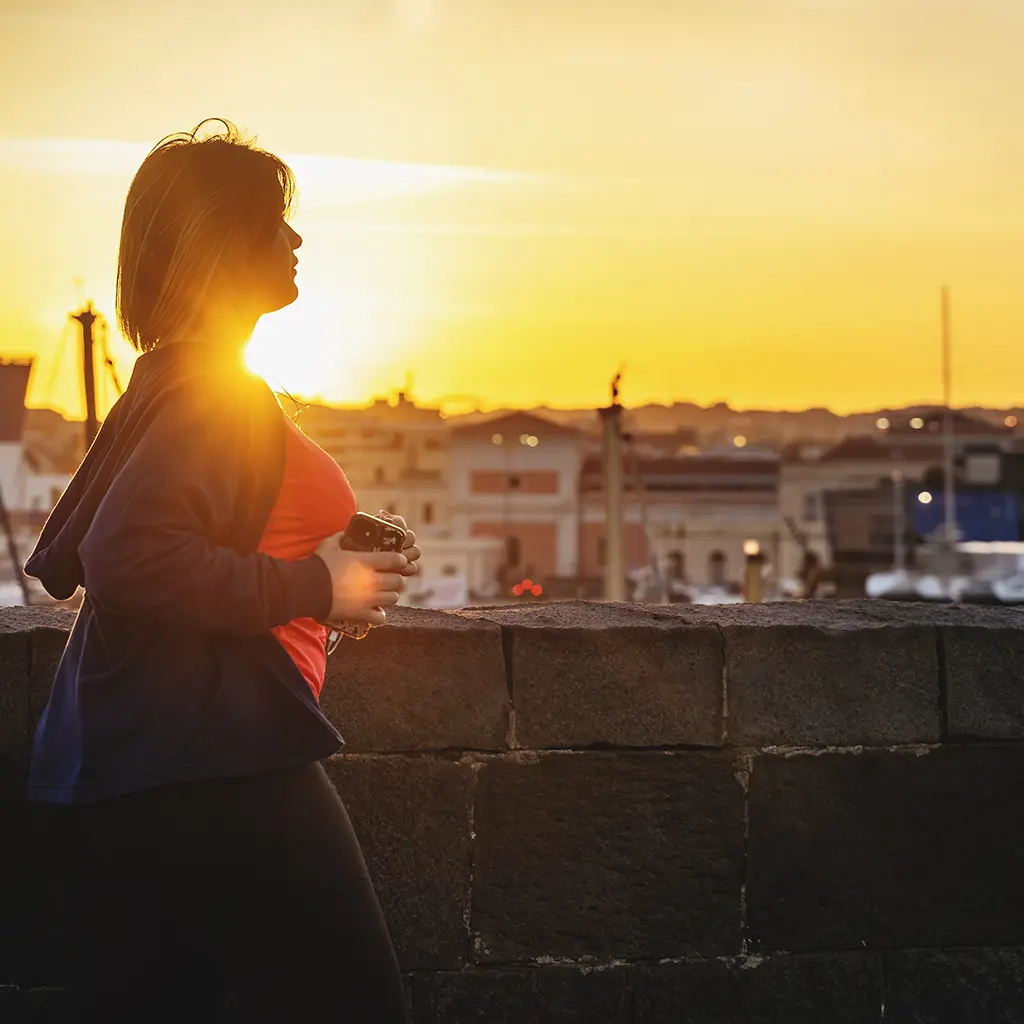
point(886, 849)
point(837, 988)
point(954, 986)
point(629, 855)
point(588, 674)
point(14, 696)
point(429, 681)
point(46, 644)
point(413, 817)
point(35, 1006)
point(538, 995)
point(984, 682)
point(808, 685)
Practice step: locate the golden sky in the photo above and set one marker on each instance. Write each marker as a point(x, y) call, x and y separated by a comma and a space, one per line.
point(744, 200)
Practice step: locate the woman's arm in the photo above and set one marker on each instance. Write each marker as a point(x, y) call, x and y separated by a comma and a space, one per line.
point(154, 548)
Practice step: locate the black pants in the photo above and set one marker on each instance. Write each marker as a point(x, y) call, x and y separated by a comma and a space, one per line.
point(241, 900)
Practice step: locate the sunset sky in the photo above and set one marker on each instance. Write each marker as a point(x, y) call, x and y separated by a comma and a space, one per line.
point(754, 201)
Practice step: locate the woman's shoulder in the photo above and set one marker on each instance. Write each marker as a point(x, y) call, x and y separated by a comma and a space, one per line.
point(184, 388)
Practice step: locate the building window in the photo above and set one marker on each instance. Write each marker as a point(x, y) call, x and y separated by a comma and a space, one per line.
point(450, 570)
point(602, 551)
point(513, 550)
point(881, 530)
point(378, 475)
point(428, 513)
point(514, 483)
point(716, 568)
point(811, 507)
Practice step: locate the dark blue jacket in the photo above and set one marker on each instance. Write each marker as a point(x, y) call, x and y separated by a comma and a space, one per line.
point(171, 672)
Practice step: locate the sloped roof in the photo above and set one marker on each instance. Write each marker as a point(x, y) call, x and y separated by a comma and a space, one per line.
point(869, 449)
point(512, 425)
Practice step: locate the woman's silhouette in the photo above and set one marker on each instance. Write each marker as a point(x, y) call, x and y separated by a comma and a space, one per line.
point(210, 862)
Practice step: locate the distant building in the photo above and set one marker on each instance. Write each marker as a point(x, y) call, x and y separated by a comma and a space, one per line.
point(30, 484)
point(691, 515)
point(858, 464)
point(861, 524)
point(515, 478)
point(395, 455)
point(928, 426)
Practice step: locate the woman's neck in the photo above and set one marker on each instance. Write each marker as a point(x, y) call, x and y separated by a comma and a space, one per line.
point(229, 333)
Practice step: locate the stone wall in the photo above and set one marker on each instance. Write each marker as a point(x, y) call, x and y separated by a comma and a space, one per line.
point(597, 813)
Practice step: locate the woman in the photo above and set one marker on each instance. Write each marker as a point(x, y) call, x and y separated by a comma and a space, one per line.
point(210, 861)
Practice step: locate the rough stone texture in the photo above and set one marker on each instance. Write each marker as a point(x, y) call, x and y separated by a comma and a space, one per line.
point(843, 615)
point(585, 674)
point(537, 995)
point(843, 988)
point(962, 986)
point(31, 640)
point(34, 1006)
point(783, 694)
point(639, 855)
point(803, 684)
point(14, 699)
point(611, 855)
point(984, 682)
point(430, 681)
point(413, 818)
point(886, 849)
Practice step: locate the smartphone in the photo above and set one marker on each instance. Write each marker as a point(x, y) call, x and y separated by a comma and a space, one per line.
point(366, 533)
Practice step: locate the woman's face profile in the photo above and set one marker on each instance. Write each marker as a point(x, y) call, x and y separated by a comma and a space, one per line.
point(273, 270)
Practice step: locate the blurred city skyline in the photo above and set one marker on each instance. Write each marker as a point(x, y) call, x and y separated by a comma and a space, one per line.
point(753, 202)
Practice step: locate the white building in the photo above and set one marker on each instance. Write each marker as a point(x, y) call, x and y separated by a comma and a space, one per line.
point(395, 455)
point(26, 483)
point(691, 515)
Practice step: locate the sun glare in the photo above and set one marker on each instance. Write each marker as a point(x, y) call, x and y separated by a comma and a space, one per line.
point(318, 349)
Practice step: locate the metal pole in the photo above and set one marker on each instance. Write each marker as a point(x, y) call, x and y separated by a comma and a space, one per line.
point(947, 393)
point(899, 525)
point(614, 569)
point(87, 317)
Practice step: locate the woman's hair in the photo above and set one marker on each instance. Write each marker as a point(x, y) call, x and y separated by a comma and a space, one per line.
point(196, 206)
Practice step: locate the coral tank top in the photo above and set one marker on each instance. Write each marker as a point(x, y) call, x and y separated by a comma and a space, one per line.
point(315, 501)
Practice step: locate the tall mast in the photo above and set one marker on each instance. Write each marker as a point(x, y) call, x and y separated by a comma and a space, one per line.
point(947, 422)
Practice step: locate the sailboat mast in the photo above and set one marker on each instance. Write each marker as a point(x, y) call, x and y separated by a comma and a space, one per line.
point(947, 401)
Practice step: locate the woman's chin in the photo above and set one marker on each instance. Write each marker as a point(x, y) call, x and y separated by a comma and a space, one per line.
point(286, 297)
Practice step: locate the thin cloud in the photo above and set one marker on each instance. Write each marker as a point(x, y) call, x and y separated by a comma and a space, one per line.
point(496, 229)
point(321, 178)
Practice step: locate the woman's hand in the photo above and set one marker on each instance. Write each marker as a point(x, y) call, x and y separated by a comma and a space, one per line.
point(364, 583)
point(409, 549)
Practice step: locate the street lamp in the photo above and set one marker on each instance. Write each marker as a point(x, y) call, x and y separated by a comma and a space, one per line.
point(753, 560)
